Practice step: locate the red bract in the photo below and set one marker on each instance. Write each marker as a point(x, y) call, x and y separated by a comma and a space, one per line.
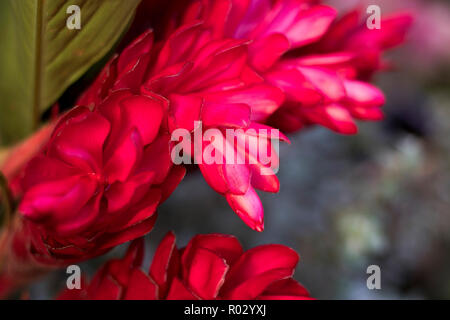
point(208, 80)
point(210, 267)
point(99, 179)
point(203, 78)
point(237, 65)
point(339, 65)
point(320, 66)
point(232, 64)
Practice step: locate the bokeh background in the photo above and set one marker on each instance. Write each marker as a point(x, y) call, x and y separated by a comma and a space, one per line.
point(380, 197)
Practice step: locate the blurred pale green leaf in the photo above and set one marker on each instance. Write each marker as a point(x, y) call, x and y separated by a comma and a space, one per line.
point(6, 206)
point(40, 57)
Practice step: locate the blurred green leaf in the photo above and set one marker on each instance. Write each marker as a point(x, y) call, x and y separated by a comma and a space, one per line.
point(40, 57)
point(6, 206)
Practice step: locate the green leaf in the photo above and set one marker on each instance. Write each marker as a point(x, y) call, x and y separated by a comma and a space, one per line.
point(40, 56)
point(6, 205)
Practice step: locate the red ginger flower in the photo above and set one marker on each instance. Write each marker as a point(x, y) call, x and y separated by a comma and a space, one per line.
point(210, 267)
point(207, 79)
point(225, 66)
point(99, 179)
point(345, 58)
point(320, 66)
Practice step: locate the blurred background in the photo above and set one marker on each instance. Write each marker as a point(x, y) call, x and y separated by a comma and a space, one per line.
point(381, 197)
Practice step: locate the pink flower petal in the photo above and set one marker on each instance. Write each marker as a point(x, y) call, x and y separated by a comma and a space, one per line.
point(227, 115)
point(264, 182)
point(294, 84)
point(110, 240)
point(124, 159)
point(206, 273)
point(156, 159)
point(364, 94)
point(333, 116)
point(178, 291)
point(266, 263)
point(268, 50)
point(140, 46)
point(184, 111)
point(121, 194)
point(262, 98)
point(225, 246)
point(141, 287)
point(327, 82)
point(285, 288)
point(165, 264)
point(107, 289)
point(249, 208)
point(58, 201)
point(43, 168)
point(310, 25)
point(143, 113)
point(80, 142)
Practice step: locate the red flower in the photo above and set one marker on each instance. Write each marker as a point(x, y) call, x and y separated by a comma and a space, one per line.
point(225, 66)
point(99, 179)
point(203, 78)
point(234, 64)
point(320, 66)
point(338, 67)
point(208, 80)
point(210, 267)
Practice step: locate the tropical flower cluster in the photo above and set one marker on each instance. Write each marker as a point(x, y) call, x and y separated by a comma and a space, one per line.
point(97, 181)
point(100, 178)
point(212, 266)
